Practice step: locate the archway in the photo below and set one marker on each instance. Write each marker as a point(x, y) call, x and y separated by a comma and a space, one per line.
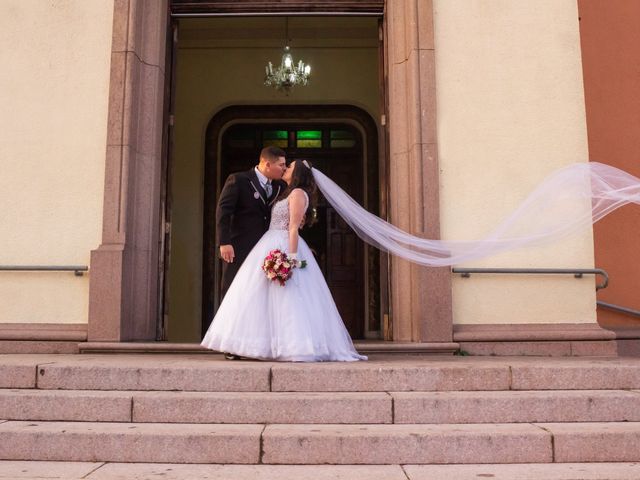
point(342, 141)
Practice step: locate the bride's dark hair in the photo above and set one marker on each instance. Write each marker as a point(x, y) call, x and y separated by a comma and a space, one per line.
point(302, 177)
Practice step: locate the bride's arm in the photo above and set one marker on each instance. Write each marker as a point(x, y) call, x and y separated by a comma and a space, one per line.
point(297, 202)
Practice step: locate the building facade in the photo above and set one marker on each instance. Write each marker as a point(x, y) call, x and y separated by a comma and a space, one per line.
point(124, 116)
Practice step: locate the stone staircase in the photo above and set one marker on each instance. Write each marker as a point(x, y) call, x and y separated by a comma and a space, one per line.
point(425, 416)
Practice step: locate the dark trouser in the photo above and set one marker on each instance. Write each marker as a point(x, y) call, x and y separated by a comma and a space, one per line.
point(229, 271)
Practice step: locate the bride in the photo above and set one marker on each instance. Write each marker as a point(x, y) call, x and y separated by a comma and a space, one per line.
point(297, 322)
point(300, 322)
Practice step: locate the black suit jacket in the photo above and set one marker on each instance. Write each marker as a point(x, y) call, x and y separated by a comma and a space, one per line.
point(242, 216)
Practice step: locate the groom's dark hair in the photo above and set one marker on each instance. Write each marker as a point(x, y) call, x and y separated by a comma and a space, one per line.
point(271, 154)
point(302, 177)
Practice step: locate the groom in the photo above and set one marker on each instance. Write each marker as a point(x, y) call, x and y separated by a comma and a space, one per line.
point(244, 210)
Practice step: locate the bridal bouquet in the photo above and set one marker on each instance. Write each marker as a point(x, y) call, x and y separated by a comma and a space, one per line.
point(279, 267)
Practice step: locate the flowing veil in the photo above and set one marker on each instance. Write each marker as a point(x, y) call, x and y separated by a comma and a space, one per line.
point(570, 199)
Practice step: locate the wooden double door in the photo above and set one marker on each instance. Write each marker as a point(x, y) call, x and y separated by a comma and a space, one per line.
point(337, 150)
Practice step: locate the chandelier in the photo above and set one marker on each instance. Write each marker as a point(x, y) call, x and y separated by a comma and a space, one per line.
point(288, 74)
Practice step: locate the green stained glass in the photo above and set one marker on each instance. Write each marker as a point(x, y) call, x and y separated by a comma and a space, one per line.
point(309, 135)
point(309, 143)
point(309, 139)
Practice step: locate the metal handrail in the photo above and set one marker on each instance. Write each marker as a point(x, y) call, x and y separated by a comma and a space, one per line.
point(576, 272)
point(619, 309)
point(78, 270)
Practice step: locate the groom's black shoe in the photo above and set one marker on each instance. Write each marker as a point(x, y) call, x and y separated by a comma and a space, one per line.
point(231, 356)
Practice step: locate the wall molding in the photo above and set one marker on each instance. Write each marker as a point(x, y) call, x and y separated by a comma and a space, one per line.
point(73, 332)
point(543, 332)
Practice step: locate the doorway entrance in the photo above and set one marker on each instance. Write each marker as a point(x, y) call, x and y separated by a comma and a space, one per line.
point(343, 149)
point(142, 229)
point(219, 83)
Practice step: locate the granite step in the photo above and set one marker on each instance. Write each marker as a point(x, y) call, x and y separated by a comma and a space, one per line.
point(595, 442)
point(65, 405)
point(28, 470)
point(462, 374)
point(527, 471)
point(517, 406)
point(130, 442)
point(274, 444)
point(452, 444)
point(195, 407)
point(208, 373)
point(321, 407)
point(263, 407)
point(420, 412)
point(380, 374)
point(31, 470)
point(153, 372)
point(406, 444)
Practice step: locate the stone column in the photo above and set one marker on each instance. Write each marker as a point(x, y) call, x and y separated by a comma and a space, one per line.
point(123, 292)
point(421, 297)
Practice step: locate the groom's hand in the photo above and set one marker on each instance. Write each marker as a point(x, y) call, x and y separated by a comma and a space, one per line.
point(227, 253)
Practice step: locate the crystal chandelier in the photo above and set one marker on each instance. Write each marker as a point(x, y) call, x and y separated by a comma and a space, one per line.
point(288, 74)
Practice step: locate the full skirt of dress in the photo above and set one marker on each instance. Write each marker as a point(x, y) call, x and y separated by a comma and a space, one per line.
point(261, 319)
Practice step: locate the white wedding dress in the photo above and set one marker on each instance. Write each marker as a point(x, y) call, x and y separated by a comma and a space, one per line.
point(296, 322)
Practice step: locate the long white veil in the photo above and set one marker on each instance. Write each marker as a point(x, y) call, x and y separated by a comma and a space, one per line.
point(557, 207)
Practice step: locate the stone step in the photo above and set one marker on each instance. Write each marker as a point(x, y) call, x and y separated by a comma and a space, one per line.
point(527, 471)
point(273, 444)
point(321, 407)
point(406, 444)
point(153, 372)
point(130, 442)
point(595, 442)
point(320, 444)
point(195, 407)
point(267, 407)
point(19, 371)
point(596, 374)
point(365, 347)
point(380, 374)
point(28, 470)
point(451, 444)
point(517, 406)
point(421, 374)
point(210, 373)
point(65, 405)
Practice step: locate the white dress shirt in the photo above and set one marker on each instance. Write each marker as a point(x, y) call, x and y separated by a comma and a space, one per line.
point(264, 181)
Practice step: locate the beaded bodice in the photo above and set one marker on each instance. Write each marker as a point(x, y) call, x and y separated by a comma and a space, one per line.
point(280, 213)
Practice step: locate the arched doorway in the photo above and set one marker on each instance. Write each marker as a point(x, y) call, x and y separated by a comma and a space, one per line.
point(339, 140)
